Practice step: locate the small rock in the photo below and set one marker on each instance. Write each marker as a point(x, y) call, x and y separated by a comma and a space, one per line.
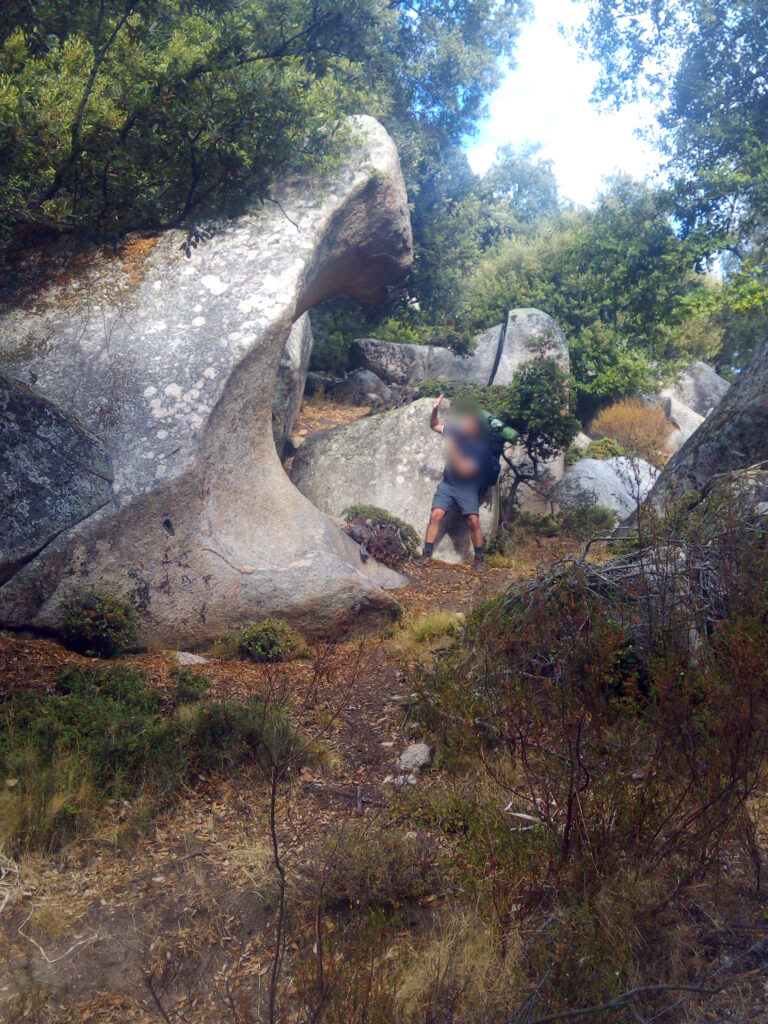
point(186, 658)
point(761, 509)
point(415, 758)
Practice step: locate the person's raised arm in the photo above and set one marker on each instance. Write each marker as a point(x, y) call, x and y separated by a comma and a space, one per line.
point(434, 420)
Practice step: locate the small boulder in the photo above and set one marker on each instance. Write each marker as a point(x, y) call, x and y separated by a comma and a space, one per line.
point(361, 387)
point(186, 658)
point(415, 758)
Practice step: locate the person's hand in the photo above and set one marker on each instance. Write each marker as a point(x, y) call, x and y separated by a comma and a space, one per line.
point(439, 402)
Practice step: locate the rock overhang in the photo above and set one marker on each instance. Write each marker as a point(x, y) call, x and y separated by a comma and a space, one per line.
point(176, 378)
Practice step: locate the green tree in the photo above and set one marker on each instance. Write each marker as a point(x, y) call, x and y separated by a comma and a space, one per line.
point(619, 281)
point(124, 114)
point(705, 63)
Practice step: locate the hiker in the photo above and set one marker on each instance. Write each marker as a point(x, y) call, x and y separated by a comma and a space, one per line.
point(464, 477)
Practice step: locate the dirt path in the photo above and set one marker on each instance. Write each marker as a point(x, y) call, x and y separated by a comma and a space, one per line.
point(82, 930)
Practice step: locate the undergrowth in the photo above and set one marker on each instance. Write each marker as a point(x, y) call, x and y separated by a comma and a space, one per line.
point(107, 735)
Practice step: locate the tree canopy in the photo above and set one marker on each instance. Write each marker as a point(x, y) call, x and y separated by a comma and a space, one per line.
point(126, 114)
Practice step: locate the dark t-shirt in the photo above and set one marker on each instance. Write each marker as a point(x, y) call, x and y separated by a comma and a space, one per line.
point(474, 448)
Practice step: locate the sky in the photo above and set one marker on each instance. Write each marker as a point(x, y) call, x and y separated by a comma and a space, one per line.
point(546, 100)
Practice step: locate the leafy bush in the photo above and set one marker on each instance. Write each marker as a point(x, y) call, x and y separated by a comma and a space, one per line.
point(189, 686)
point(96, 623)
point(604, 448)
point(103, 735)
point(387, 538)
point(639, 428)
point(267, 641)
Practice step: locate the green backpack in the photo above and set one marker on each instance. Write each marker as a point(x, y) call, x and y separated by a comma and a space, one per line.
point(500, 434)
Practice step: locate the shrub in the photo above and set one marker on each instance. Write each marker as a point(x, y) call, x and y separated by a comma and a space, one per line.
point(388, 539)
point(268, 641)
point(604, 448)
point(189, 686)
point(99, 624)
point(639, 428)
point(102, 735)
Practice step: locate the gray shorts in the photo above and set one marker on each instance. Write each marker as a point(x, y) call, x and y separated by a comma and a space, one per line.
point(465, 495)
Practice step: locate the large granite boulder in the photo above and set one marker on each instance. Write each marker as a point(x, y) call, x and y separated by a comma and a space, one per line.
point(392, 460)
point(171, 363)
point(733, 437)
point(618, 484)
point(291, 378)
point(498, 353)
point(361, 388)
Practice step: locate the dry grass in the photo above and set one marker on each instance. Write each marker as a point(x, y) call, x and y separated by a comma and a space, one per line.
point(464, 970)
point(642, 429)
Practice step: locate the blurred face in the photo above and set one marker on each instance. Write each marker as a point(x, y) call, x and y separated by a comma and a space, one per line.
point(469, 426)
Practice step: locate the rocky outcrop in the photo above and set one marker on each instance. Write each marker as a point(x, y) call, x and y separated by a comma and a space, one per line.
point(391, 460)
point(733, 437)
point(685, 422)
point(497, 354)
point(53, 474)
point(291, 378)
point(171, 363)
point(618, 484)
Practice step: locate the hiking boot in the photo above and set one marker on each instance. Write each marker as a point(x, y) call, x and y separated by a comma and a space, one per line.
point(479, 563)
point(422, 561)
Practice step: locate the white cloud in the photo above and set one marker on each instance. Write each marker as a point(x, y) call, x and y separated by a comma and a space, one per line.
point(546, 99)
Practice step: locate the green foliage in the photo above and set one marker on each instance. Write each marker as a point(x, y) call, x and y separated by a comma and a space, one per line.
point(268, 641)
point(189, 686)
point(103, 735)
point(703, 61)
point(616, 278)
point(379, 517)
point(145, 113)
point(96, 623)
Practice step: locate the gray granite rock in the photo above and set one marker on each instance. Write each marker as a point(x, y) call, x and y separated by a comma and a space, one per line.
point(187, 659)
point(684, 420)
point(291, 379)
point(53, 474)
point(415, 758)
point(618, 484)
point(733, 437)
point(699, 387)
point(361, 387)
point(392, 460)
point(498, 353)
point(171, 362)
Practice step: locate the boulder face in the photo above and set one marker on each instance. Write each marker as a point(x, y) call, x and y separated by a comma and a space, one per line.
point(291, 379)
point(53, 474)
point(700, 388)
point(392, 460)
point(733, 437)
point(171, 363)
point(498, 353)
point(618, 484)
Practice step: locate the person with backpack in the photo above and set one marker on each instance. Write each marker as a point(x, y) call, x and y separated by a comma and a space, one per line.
point(464, 479)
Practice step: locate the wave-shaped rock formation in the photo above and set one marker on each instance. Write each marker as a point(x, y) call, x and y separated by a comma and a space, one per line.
point(138, 401)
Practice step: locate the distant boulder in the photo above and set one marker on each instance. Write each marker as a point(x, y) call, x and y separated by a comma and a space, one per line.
point(699, 387)
point(361, 387)
point(498, 353)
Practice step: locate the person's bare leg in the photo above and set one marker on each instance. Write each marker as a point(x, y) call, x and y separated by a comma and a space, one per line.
point(474, 529)
point(433, 532)
point(478, 541)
